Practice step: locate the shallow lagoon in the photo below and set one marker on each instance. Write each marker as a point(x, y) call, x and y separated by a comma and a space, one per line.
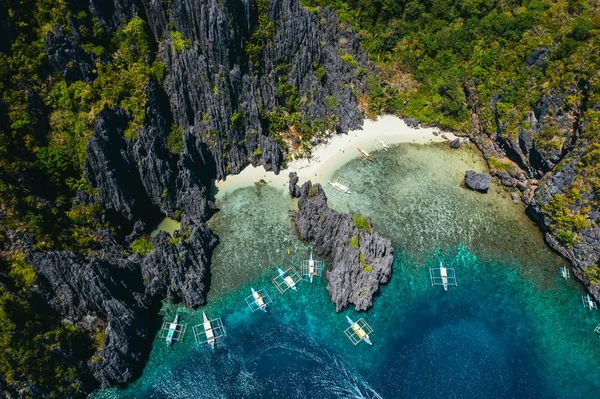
point(512, 327)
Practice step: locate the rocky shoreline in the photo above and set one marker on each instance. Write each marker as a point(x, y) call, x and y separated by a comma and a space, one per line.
point(218, 97)
point(361, 259)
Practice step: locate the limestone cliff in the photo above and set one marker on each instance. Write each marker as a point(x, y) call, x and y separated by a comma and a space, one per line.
point(362, 260)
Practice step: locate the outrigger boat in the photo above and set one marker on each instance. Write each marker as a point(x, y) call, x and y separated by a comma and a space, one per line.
point(383, 144)
point(588, 302)
point(444, 276)
point(172, 329)
point(288, 280)
point(208, 330)
point(364, 154)
point(339, 187)
point(359, 331)
point(258, 300)
point(311, 268)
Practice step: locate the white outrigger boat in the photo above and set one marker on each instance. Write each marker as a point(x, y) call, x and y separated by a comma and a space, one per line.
point(339, 187)
point(383, 144)
point(444, 276)
point(311, 268)
point(564, 272)
point(209, 330)
point(172, 330)
point(588, 302)
point(210, 336)
point(287, 279)
point(358, 331)
point(258, 300)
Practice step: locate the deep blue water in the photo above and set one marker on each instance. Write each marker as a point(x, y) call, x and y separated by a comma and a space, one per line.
point(511, 329)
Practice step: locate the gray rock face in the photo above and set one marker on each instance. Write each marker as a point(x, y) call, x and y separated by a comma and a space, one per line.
point(362, 260)
point(220, 99)
point(293, 185)
point(176, 268)
point(96, 294)
point(455, 143)
point(214, 79)
point(477, 181)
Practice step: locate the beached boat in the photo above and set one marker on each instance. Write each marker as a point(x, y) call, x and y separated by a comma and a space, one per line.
point(172, 330)
point(340, 187)
point(359, 331)
point(258, 300)
point(364, 154)
point(287, 279)
point(383, 144)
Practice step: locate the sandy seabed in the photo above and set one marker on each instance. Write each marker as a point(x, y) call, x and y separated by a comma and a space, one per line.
point(338, 150)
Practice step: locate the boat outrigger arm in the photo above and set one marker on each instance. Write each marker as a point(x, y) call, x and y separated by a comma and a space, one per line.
point(172, 331)
point(358, 331)
point(209, 330)
point(286, 279)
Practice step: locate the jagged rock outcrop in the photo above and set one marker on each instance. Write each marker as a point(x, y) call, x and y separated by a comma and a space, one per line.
point(224, 96)
point(98, 295)
point(65, 55)
point(477, 181)
point(362, 260)
point(221, 96)
point(176, 268)
point(293, 185)
point(545, 160)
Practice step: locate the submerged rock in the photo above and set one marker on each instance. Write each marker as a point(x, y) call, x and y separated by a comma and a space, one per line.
point(362, 260)
point(477, 181)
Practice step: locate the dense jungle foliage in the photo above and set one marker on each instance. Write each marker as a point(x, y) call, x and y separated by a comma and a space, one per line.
point(45, 123)
point(427, 52)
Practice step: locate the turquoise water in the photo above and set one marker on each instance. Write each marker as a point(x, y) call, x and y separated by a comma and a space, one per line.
point(512, 327)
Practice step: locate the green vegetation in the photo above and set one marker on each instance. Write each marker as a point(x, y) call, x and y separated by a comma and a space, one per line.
point(427, 51)
point(175, 139)
point(320, 72)
point(363, 263)
point(262, 35)
point(566, 221)
point(349, 60)
point(178, 42)
point(361, 223)
point(257, 152)
point(312, 191)
point(354, 242)
point(30, 339)
point(592, 272)
point(141, 246)
point(331, 102)
point(501, 165)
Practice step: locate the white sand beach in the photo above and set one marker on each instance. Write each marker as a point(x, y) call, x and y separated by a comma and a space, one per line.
point(340, 149)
